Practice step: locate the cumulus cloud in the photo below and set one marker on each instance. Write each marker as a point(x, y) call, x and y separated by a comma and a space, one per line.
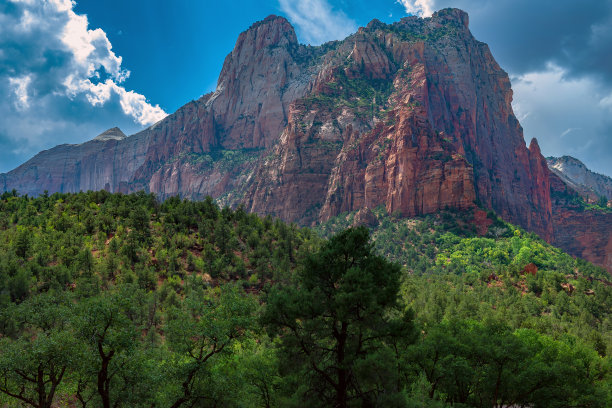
point(60, 80)
point(316, 21)
point(423, 8)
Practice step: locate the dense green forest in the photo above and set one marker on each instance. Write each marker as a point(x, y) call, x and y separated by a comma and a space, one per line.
point(110, 300)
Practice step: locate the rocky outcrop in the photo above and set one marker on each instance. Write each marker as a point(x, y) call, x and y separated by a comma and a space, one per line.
point(111, 134)
point(590, 185)
point(102, 163)
point(587, 234)
point(366, 217)
point(207, 147)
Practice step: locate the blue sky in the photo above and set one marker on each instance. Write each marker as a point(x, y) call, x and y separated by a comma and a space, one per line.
point(68, 71)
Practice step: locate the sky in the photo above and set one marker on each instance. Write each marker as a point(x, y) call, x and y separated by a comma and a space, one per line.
point(70, 70)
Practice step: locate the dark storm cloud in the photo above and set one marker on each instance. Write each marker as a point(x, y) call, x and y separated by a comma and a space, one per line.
point(569, 116)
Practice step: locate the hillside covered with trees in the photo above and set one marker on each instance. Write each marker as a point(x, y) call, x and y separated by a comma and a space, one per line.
point(111, 300)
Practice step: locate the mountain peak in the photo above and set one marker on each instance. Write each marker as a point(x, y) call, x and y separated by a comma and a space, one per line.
point(274, 19)
point(414, 116)
point(452, 14)
point(110, 134)
point(534, 147)
point(273, 30)
point(566, 160)
point(589, 184)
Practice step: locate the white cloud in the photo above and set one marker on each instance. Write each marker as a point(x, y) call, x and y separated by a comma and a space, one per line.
point(606, 102)
point(568, 131)
point(132, 103)
point(90, 57)
point(135, 105)
point(92, 51)
point(423, 8)
point(316, 21)
point(60, 5)
point(91, 48)
point(20, 90)
point(26, 21)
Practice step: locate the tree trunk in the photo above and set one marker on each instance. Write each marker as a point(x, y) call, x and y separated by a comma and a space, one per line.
point(103, 380)
point(342, 390)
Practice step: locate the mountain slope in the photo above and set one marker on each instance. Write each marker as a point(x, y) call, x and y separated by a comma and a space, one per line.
point(578, 228)
point(176, 293)
point(591, 186)
point(265, 72)
point(415, 116)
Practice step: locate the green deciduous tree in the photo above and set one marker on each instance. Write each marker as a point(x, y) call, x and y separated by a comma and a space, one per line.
point(109, 326)
point(488, 365)
point(198, 333)
point(33, 365)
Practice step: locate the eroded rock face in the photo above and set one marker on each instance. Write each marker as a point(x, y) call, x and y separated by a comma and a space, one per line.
point(98, 164)
point(365, 217)
point(586, 234)
point(580, 232)
point(265, 72)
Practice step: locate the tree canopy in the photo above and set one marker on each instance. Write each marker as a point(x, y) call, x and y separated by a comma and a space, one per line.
point(113, 300)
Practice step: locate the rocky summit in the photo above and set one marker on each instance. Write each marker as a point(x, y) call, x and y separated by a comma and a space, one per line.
point(591, 186)
point(415, 116)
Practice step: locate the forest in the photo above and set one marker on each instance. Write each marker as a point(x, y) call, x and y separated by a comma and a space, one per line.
point(113, 300)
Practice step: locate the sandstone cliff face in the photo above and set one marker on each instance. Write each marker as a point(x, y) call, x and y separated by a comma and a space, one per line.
point(415, 116)
point(580, 232)
point(590, 185)
point(95, 165)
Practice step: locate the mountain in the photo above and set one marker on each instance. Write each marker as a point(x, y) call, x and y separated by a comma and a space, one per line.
point(591, 186)
point(578, 229)
point(415, 116)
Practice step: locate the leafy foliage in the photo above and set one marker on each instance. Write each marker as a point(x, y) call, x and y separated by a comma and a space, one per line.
point(111, 300)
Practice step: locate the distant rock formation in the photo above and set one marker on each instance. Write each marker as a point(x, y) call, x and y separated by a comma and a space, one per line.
point(580, 232)
point(590, 185)
point(111, 134)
